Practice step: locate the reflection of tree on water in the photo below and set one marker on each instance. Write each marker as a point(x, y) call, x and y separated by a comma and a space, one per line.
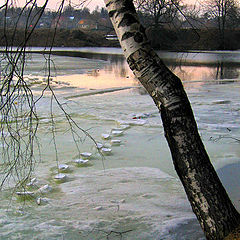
point(118, 68)
point(205, 72)
point(188, 71)
point(223, 71)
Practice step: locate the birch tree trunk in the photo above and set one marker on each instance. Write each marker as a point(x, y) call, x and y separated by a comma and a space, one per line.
point(209, 200)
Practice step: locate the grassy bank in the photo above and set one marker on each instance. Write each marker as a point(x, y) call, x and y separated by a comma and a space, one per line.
point(189, 39)
point(62, 37)
point(163, 39)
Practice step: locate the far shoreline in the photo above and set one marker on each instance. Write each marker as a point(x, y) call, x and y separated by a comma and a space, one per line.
point(100, 53)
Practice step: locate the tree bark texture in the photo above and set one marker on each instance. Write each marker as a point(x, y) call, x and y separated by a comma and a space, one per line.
point(209, 200)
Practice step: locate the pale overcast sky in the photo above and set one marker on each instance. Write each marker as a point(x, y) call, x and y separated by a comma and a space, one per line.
point(53, 4)
point(91, 4)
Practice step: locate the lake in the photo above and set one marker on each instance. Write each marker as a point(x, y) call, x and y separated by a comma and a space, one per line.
point(133, 192)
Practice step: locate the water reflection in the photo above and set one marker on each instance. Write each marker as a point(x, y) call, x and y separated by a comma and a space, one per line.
point(226, 72)
point(100, 70)
point(206, 73)
point(118, 74)
point(188, 66)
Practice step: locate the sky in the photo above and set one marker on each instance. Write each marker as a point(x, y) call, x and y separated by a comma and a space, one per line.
point(91, 4)
point(53, 4)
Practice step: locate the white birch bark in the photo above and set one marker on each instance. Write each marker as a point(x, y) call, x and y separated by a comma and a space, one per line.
point(209, 200)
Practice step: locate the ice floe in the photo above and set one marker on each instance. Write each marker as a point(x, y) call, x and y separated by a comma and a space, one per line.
point(32, 182)
point(116, 133)
point(115, 142)
point(124, 126)
point(25, 193)
point(99, 145)
point(81, 161)
point(106, 151)
point(42, 201)
point(45, 189)
point(63, 167)
point(60, 177)
point(105, 136)
point(133, 122)
point(85, 154)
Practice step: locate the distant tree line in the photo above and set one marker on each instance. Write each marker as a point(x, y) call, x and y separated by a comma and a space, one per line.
point(27, 17)
point(213, 21)
point(214, 24)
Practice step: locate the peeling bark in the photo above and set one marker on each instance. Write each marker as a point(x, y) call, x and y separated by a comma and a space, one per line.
point(209, 200)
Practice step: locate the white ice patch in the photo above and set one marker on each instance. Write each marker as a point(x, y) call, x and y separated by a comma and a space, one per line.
point(144, 200)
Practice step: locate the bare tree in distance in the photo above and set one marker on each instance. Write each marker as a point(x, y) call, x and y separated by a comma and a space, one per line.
point(158, 11)
point(166, 22)
point(225, 14)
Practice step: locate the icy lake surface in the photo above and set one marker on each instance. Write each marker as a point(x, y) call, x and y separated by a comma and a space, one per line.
point(133, 191)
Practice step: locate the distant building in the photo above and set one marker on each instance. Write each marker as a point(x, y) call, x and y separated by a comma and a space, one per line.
point(87, 24)
point(111, 37)
point(67, 22)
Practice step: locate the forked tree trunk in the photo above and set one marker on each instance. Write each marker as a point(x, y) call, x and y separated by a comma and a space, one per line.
point(209, 200)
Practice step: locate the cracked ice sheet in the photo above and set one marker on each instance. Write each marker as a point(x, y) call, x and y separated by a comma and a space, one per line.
point(146, 201)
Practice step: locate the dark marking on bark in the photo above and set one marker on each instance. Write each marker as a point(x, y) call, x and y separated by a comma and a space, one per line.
point(129, 5)
point(127, 35)
point(127, 20)
point(111, 13)
point(142, 29)
point(122, 10)
point(109, 3)
point(146, 44)
point(138, 37)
